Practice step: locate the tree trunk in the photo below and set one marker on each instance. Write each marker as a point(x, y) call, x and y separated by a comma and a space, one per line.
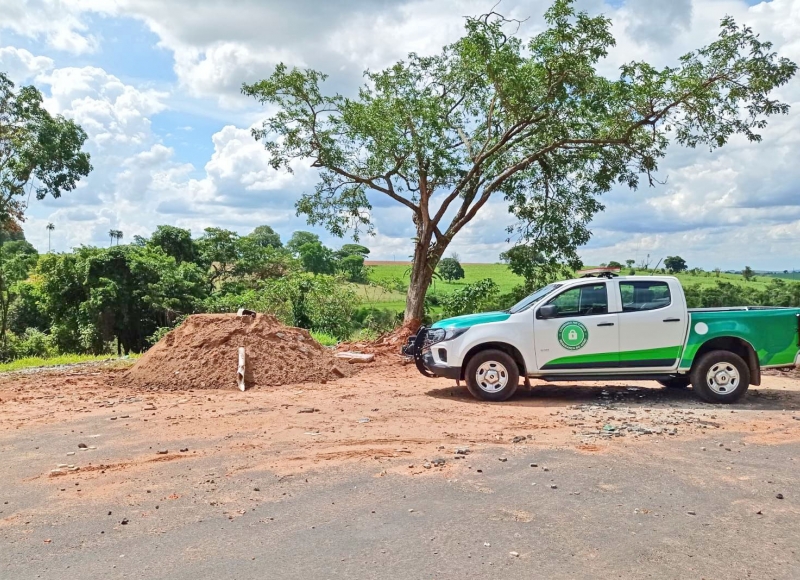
point(426, 258)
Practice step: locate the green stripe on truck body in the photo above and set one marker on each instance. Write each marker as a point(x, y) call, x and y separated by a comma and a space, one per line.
point(772, 332)
point(651, 357)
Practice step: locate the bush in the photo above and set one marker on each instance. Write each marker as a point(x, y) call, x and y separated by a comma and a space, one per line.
point(477, 297)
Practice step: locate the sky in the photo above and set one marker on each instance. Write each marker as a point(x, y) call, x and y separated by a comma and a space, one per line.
point(155, 84)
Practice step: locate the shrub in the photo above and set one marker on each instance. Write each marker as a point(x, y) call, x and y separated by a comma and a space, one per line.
point(477, 297)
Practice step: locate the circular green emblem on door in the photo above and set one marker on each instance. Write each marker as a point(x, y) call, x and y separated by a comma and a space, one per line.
point(573, 335)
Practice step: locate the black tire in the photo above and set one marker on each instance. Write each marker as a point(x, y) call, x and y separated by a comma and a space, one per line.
point(503, 361)
point(727, 361)
point(675, 382)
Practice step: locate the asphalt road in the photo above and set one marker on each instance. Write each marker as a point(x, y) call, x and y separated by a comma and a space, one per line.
point(664, 508)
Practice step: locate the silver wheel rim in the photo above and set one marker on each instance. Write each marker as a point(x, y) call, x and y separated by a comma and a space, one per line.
point(723, 378)
point(491, 377)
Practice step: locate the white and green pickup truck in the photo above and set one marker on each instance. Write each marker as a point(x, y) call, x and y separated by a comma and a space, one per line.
point(611, 328)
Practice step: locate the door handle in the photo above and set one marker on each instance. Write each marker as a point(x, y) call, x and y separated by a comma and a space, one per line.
point(672, 320)
point(606, 324)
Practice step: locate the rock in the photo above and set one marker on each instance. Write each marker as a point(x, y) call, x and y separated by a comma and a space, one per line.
point(438, 462)
point(363, 420)
point(692, 513)
point(410, 510)
point(503, 459)
point(514, 554)
point(553, 487)
point(184, 450)
point(779, 496)
point(124, 521)
point(82, 446)
point(70, 453)
point(518, 439)
point(426, 465)
point(487, 544)
point(534, 465)
point(162, 451)
point(308, 410)
point(256, 489)
point(545, 469)
point(462, 450)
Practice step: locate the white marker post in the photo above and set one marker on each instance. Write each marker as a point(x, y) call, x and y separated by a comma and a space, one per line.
point(240, 373)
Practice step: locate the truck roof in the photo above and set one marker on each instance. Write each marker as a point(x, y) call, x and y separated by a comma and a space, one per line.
point(614, 277)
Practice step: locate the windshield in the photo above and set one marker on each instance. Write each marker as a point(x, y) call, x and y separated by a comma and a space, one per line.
point(529, 301)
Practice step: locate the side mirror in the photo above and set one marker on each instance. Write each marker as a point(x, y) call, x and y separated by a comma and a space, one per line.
point(547, 311)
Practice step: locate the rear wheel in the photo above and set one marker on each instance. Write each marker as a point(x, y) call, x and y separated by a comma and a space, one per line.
point(675, 382)
point(720, 376)
point(492, 375)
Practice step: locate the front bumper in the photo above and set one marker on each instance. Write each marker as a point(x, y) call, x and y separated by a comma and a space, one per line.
point(419, 349)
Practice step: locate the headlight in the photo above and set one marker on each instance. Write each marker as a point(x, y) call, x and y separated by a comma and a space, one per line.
point(437, 335)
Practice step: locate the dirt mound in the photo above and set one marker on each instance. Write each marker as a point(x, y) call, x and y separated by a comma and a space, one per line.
point(202, 353)
point(389, 343)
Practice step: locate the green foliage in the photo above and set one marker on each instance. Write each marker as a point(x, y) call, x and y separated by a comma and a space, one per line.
point(40, 153)
point(352, 268)
point(675, 264)
point(477, 297)
point(614, 264)
point(176, 242)
point(299, 239)
point(490, 117)
point(450, 269)
point(324, 338)
point(317, 259)
point(265, 237)
point(122, 293)
point(63, 359)
point(748, 274)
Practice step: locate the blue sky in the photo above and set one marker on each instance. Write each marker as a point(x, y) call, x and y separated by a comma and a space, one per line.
point(156, 86)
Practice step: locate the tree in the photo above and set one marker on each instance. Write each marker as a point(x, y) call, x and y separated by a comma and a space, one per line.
point(352, 266)
point(353, 250)
point(450, 269)
point(524, 260)
point(630, 263)
point(748, 274)
point(675, 264)
point(114, 235)
point(17, 258)
point(176, 242)
point(265, 237)
point(350, 262)
point(614, 264)
point(316, 258)
point(39, 153)
point(50, 228)
point(219, 251)
point(490, 118)
point(300, 239)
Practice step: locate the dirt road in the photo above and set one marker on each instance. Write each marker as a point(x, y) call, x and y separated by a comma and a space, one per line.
point(276, 467)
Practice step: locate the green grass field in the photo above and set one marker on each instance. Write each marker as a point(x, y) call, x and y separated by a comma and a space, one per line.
point(377, 297)
point(66, 359)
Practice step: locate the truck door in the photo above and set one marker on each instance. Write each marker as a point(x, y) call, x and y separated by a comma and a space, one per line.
point(582, 336)
point(652, 324)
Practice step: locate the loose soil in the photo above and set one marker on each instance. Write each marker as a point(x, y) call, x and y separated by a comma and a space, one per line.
point(202, 353)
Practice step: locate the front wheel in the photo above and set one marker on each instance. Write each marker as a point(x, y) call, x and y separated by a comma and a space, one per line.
point(492, 375)
point(720, 376)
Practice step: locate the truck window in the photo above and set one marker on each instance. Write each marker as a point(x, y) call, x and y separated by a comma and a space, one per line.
point(582, 301)
point(639, 296)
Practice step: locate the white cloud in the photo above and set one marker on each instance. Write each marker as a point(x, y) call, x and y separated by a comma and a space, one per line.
point(58, 22)
point(22, 66)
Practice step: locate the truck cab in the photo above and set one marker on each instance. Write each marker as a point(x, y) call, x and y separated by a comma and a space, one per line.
point(611, 327)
